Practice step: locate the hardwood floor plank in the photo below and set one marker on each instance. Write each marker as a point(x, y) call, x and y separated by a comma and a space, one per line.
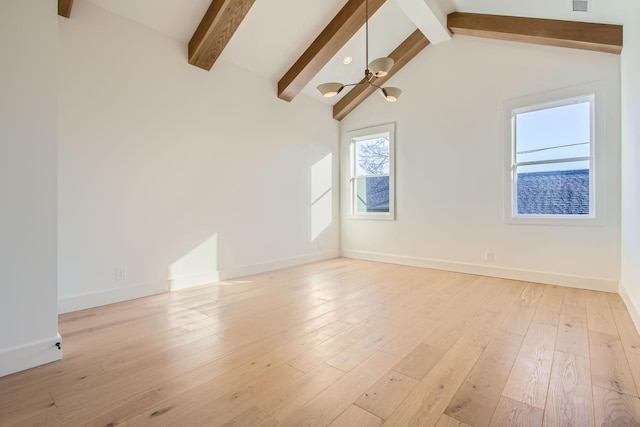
point(485, 326)
point(315, 357)
point(628, 335)
point(38, 402)
point(462, 317)
point(190, 371)
point(412, 336)
point(518, 319)
point(572, 333)
point(507, 297)
point(456, 289)
point(420, 361)
point(529, 378)
point(609, 366)
point(201, 407)
point(550, 306)
point(599, 317)
point(330, 347)
point(355, 416)
point(199, 340)
point(116, 413)
point(575, 315)
point(531, 295)
point(255, 351)
point(426, 403)
point(211, 380)
point(478, 396)
point(131, 380)
point(577, 297)
point(253, 417)
point(353, 355)
point(447, 421)
point(207, 323)
point(287, 400)
point(332, 401)
point(516, 414)
point(245, 330)
point(615, 409)
point(449, 331)
point(569, 401)
point(386, 394)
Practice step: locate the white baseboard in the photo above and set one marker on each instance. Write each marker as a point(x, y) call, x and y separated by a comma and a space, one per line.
point(632, 306)
point(248, 270)
point(30, 355)
point(110, 296)
point(590, 283)
point(177, 283)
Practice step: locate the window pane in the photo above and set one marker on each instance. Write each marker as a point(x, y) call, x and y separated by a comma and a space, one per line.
point(372, 156)
point(554, 133)
point(556, 189)
point(371, 194)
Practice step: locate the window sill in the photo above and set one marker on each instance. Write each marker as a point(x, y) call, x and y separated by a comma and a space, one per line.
point(373, 216)
point(586, 220)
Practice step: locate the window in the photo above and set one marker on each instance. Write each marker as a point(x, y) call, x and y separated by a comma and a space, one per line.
point(552, 159)
point(372, 172)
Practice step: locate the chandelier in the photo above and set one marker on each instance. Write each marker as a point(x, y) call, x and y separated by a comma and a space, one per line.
point(377, 68)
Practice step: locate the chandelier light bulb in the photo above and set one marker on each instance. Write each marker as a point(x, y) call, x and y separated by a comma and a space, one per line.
point(380, 67)
point(391, 94)
point(329, 90)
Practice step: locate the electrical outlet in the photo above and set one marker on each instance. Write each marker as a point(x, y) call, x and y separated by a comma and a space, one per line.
point(488, 256)
point(121, 273)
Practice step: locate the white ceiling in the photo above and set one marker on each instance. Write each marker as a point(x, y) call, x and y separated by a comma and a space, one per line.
point(176, 19)
point(276, 32)
point(603, 11)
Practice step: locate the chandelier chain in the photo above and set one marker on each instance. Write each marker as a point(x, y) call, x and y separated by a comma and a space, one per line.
point(366, 24)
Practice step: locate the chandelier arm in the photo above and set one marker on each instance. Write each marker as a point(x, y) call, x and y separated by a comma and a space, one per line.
point(374, 85)
point(364, 80)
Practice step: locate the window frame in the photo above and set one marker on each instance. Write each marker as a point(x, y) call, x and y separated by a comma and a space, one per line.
point(363, 134)
point(592, 93)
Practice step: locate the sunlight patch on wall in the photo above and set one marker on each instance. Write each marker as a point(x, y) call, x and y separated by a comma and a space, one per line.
point(321, 196)
point(197, 267)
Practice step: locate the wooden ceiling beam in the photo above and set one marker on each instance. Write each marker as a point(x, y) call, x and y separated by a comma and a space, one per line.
point(577, 35)
point(404, 53)
point(64, 8)
point(335, 35)
point(215, 30)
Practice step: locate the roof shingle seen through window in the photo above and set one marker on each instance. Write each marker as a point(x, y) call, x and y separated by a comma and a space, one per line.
point(554, 193)
point(378, 194)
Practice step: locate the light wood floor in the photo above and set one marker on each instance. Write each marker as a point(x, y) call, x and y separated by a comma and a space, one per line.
point(342, 343)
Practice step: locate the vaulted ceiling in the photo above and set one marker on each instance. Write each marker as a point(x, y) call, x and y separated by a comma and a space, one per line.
point(298, 44)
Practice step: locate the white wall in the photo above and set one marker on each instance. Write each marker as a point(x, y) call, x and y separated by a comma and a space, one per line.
point(28, 319)
point(450, 166)
point(630, 281)
point(172, 172)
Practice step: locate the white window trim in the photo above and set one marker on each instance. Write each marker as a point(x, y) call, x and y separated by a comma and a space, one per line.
point(597, 166)
point(367, 133)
